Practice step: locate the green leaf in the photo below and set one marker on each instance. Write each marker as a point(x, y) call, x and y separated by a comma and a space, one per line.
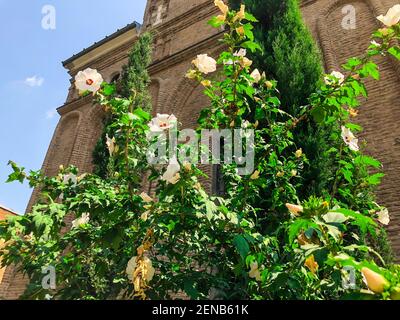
point(252, 46)
point(211, 209)
point(190, 289)
point(363, 222)
point(42, 223)
point(247, 31)
point(109, 89)
point(347, 174)
point(241, 245)
point(367, 160)
point(354, 127)
point(351, 63)
point(215, 22)
point(18, 174)
point(142, 114)
point(250, 17)
point(318, 114)
point(333, 231)
point(370, 69)
point(375, 179)
point(297, 226)
point(395, 51)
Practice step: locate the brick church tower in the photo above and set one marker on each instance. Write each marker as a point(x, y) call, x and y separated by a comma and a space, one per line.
point(181, 33)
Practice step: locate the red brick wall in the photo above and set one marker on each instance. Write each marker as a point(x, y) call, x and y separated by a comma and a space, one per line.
point(380, 113)
point(4, 277)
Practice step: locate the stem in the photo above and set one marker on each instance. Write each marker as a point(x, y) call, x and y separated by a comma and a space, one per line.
point(128, 140)
point(336, 182)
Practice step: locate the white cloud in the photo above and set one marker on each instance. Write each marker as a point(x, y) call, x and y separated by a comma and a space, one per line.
point(50, 114)
point(34, 81)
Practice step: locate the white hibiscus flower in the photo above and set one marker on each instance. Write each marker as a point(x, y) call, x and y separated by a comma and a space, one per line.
point(110, 145)
point(350, 139)
point(222, 6)
point(256, 75)
point(392, 17)
point(337, 75)
point(172, 174)
point(384, 217)
point(145, 197)
point(70, 178)
point(84, 219)
point(88, 80)
point(205, 64)
point(376, 44)
point(294, 209)
point(162, 122)
point(255, 271)
point(240, 53)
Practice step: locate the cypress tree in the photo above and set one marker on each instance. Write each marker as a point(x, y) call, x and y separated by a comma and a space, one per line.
point(133, 84)
point(135, 77)
point(291, 57)
point(289, 52)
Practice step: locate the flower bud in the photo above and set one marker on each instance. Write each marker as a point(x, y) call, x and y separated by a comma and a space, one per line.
point(255, 175)
point(191, 74)
point(280, 174)
point(206, 83)
point(269, 84)
point(299, 153)
point(240, 31)
point(373, 280)
point(294, 209)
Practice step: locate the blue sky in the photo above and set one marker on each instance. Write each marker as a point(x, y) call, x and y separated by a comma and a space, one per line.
point(33, 82)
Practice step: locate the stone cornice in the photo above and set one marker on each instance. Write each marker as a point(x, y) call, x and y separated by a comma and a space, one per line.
point(75, 104)
point(115, 55)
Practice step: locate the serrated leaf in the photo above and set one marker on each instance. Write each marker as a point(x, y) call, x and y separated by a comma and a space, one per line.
point(375, 179)
point(252, 46)
point(367, 160)
point(395, 52)
point(250, 17)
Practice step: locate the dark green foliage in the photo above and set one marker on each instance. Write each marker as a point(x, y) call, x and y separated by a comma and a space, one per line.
point(319, 174)
point(291, 57)
point(289, 52)
point(133, 84)
point(100, 153)
point(135, 78)
point(381, 244)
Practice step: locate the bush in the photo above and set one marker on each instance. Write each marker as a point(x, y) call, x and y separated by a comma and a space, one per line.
point(259, 241)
